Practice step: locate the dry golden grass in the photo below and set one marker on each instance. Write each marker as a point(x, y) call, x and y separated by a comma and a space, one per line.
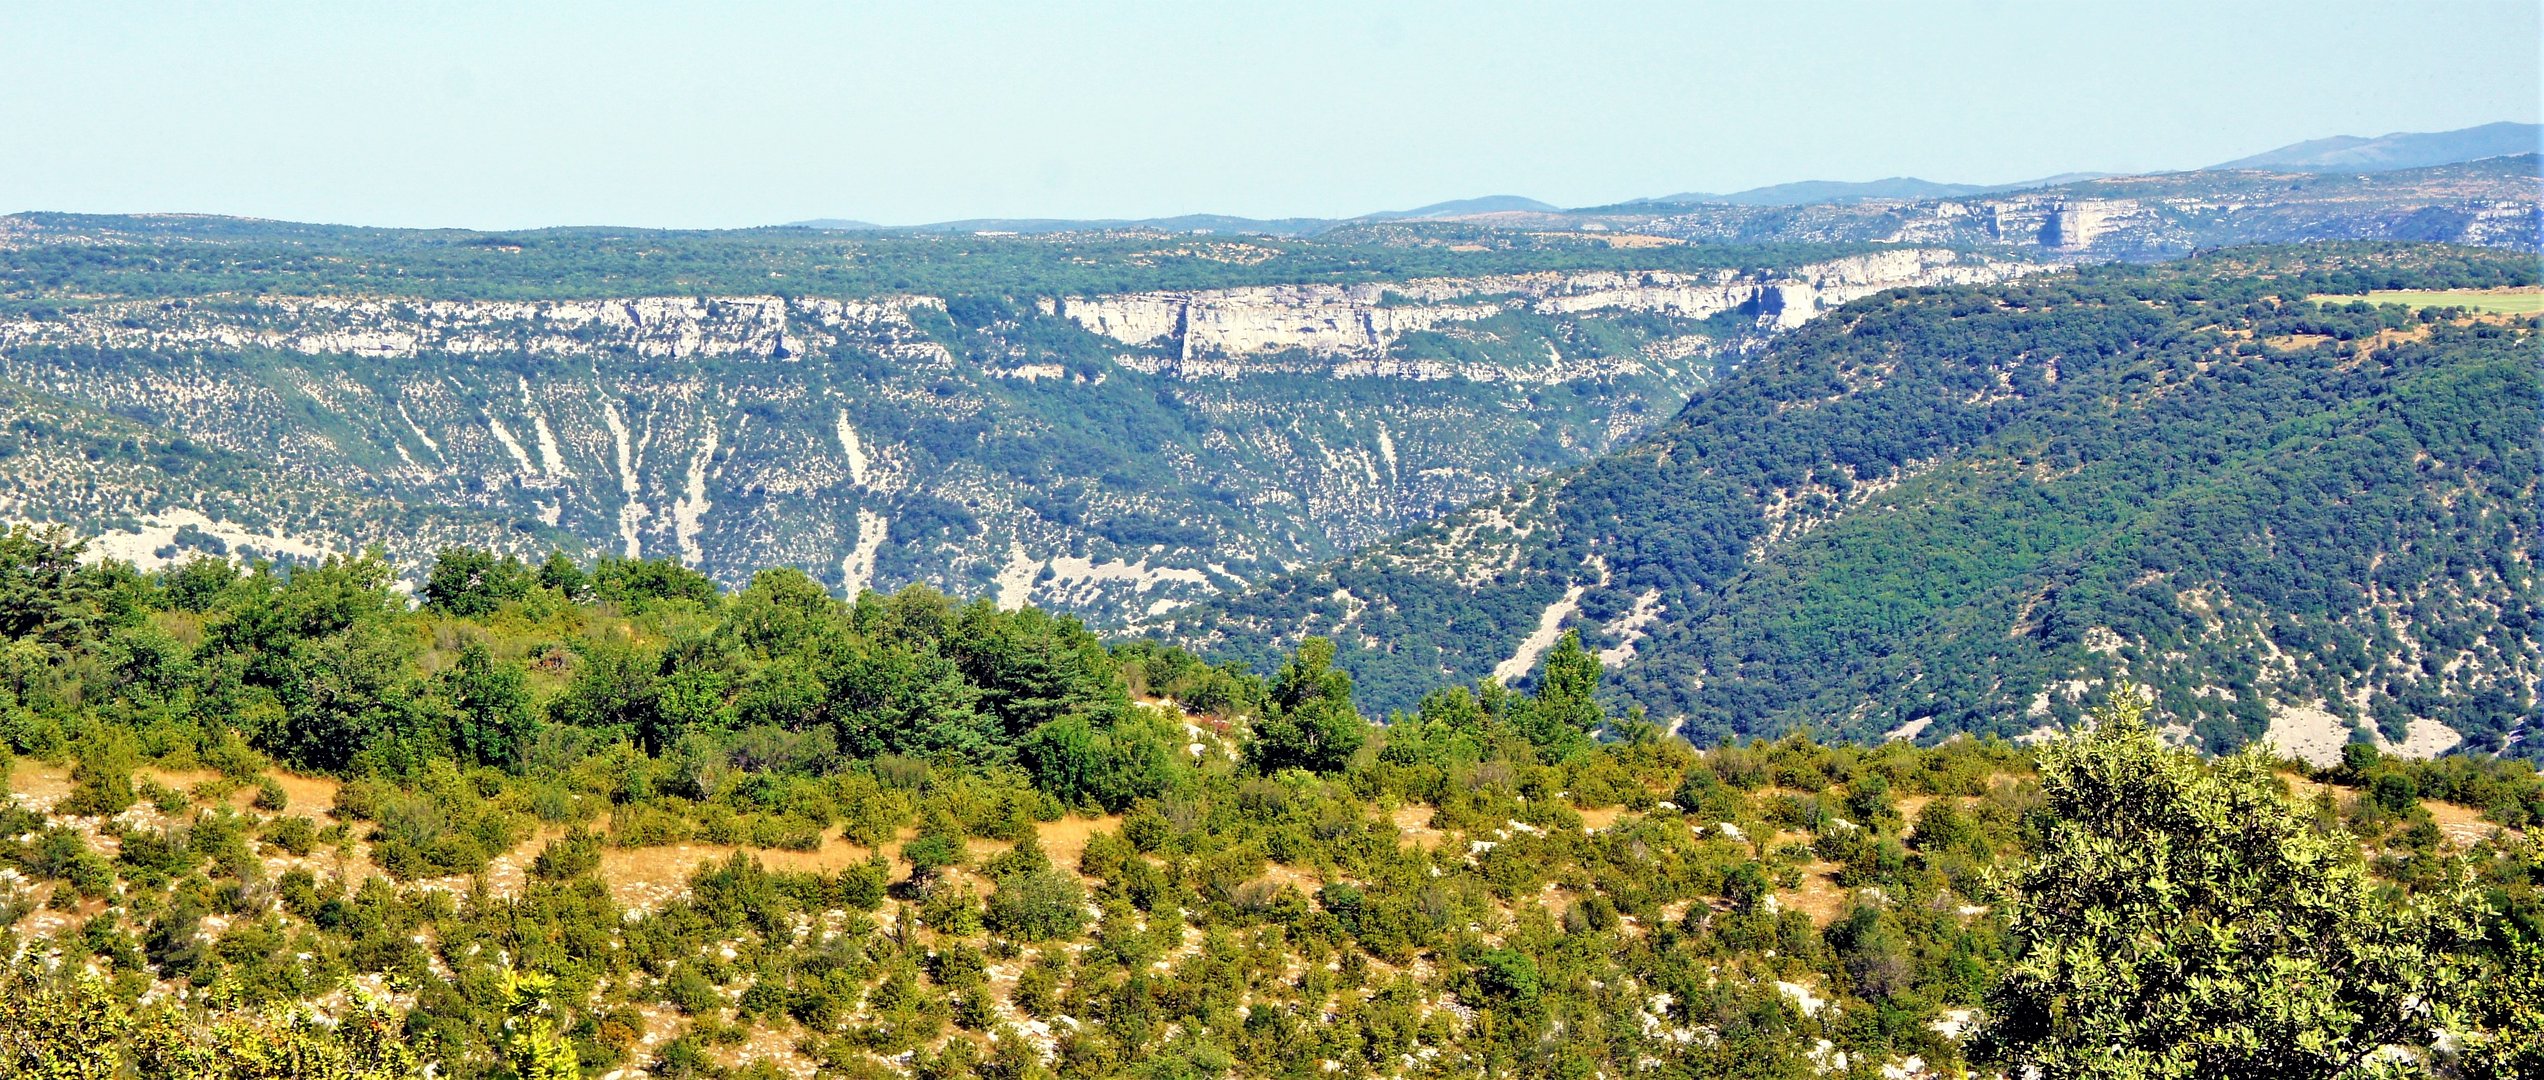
point(1819, 895)
point(42, 783)
point(1601, 817)
point(2512, 300)
point(2462, 826)
point(1415, 823)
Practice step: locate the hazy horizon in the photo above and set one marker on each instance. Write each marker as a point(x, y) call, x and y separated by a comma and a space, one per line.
point(468, 116)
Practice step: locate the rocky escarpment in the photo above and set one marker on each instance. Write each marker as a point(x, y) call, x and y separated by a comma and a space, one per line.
point(1212, 333)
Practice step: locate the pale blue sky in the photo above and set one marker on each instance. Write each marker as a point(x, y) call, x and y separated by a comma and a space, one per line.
point(739, 113)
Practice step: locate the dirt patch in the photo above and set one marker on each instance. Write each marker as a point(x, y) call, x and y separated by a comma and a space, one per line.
point(2461, 825)
point(1305, 881)
point(42, 784)
point(1819, 895)
point(774, 1044)
point(310, 795)
point(1415, 823)
point(648, 877)
point(1064, 841)
point(1601, 817)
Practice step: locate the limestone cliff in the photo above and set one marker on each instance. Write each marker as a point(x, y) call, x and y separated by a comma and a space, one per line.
point(1364, 320)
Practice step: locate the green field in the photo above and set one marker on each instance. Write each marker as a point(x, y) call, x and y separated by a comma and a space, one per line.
point(2494, 301)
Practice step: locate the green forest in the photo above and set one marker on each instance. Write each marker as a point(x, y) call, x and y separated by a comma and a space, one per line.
point(556, 819)
point(1938, 505)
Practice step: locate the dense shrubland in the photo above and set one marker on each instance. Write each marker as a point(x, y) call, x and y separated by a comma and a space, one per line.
point(914, 835)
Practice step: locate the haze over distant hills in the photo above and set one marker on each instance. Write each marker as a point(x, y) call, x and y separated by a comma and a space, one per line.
point(1808, 192)
point(2399, 150)
point(2341, 153)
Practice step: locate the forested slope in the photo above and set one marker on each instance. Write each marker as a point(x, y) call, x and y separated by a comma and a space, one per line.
point(1956, 509)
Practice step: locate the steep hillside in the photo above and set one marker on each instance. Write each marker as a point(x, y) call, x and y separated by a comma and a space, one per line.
point(1115, 454)
point(1960, 509)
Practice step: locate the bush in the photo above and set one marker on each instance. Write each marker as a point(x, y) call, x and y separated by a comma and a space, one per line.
point(293, 833)
point(101, 781)
point(569, 856)
point(1044, 905)
point(950, 908)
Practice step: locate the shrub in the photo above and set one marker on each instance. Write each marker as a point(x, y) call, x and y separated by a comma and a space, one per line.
point(293, 833)
point(1043, 905)
point(569, 856)
point(101, 781)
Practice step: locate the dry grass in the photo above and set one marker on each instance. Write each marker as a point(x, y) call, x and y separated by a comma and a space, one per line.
point(648, 877)
point(1415, 823)
point(1819, 895)
point(42, 783)
point(2462, 826)
point(1639, 240)
point(1601, 817)
point(2503, 301)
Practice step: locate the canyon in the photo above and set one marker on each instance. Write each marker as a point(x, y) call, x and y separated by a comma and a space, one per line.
point(1115, 455)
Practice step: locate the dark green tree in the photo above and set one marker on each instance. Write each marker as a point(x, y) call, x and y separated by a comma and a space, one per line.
point(1560, 716)
point(490, 707)
point(1311, 723)
point(470, 583)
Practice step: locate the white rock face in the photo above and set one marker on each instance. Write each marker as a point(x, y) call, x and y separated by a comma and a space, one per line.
point(1211, 327)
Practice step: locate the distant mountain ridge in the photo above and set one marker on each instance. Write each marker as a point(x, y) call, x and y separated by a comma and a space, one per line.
point(2343, 153)
point(2399, 150)
point(1812, 192)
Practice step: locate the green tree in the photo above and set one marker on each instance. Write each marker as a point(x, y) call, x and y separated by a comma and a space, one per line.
point(102, 778)
point(347, 693)
point(782, 611)
point(1081, 765)
point(1559, 718)
point(470, 583)
point(490, 703)
point(615, 685)
point(562, 573)
point(2181, 920)
point(43, 592)
point(1311, 723)
point(638, 582)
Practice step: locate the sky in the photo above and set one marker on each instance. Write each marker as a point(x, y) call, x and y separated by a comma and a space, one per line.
point(738, 113)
